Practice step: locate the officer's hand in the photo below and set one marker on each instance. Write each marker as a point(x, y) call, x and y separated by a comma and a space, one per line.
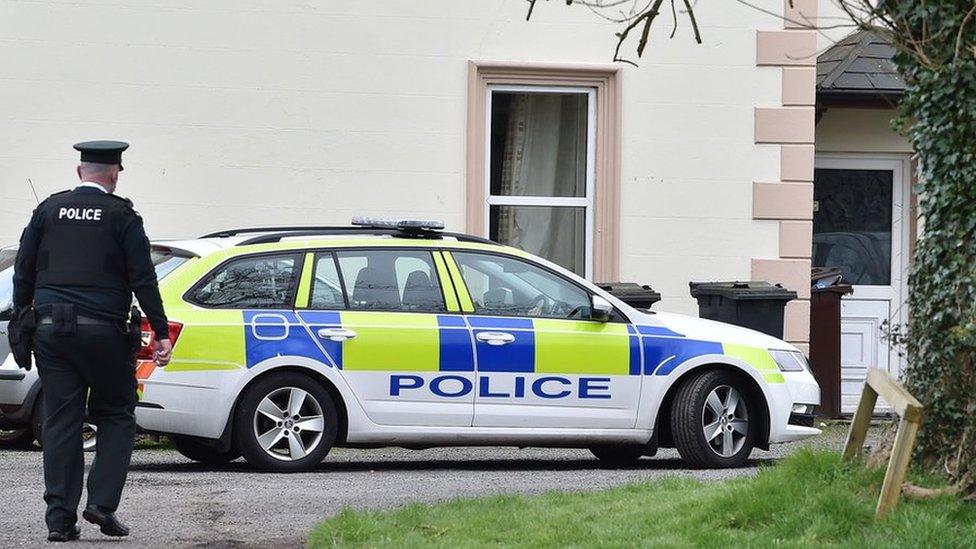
point(163, 351)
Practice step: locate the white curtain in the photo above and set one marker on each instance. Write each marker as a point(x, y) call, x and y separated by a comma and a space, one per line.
point(545, 155)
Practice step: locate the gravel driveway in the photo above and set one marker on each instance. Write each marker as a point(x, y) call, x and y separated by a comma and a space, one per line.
point(170, 501)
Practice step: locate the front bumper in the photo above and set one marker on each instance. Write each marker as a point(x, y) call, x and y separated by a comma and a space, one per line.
point(784, 425)
point(804, 419)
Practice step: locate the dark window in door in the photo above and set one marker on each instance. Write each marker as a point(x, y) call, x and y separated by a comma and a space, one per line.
point(852, 216)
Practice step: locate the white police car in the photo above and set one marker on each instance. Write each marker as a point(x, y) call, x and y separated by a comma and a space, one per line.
point(291, 341)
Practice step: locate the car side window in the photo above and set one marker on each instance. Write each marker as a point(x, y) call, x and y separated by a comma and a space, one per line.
point(391, 280)
point(505, 286)
point(262, 282)
point(326, 286)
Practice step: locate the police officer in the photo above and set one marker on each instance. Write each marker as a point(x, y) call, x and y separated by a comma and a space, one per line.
point(81, 258)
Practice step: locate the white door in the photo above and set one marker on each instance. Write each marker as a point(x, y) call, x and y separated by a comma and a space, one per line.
point(860, 225)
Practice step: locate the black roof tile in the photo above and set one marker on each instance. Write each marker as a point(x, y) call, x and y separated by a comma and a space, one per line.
point(859, 64)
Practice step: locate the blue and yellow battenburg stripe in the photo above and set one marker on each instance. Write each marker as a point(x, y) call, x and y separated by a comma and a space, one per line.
point(417, 342)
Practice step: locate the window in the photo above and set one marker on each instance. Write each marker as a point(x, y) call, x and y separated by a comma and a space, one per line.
point(263, 282)
point(560, 127)
point(504, 286)
point(391, 280)
point(852, 223)
point(326, 287)
point(166, 261)
point(540, 164)
point(7, 258)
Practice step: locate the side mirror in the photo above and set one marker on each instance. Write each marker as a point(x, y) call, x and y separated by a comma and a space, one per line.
point(602, 310)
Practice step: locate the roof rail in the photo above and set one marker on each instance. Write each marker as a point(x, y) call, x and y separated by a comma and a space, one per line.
point(339, 231)
point(234, 232)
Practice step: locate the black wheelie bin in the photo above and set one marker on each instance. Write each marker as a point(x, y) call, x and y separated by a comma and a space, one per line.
point(756, 305)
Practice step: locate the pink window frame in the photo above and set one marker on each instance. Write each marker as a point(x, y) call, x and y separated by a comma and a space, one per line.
point(605, 79)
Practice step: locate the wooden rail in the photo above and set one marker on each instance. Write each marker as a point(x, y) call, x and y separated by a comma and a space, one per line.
point(909, 409)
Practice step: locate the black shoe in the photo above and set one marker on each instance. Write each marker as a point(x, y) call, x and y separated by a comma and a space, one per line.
point(70, 535)
point(106, 521)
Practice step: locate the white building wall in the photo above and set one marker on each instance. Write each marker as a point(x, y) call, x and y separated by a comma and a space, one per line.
point(250, 112)
point(860, 130)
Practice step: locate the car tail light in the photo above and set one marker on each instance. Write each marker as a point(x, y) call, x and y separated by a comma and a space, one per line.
point(149, 337)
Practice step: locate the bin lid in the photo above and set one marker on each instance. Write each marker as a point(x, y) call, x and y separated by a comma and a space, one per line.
point(743, 290)
point(629, 290)
point(842, 289)
point(825, 276)
point(828, 279)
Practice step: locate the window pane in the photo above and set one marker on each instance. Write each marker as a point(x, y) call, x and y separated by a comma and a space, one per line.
point(852, 224)
point(165, 262)
point(326, 289)
point(7, 258)
point(265, 282)
point(6, 293)
point(504, 286)
point(555, 233)
point(391, 280)
point(538, 144)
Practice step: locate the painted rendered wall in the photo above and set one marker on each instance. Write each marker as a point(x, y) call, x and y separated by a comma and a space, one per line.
point(859, 130)
point(251, 112)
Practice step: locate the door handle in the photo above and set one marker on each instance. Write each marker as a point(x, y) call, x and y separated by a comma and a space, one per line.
point(495, 338)
point(336, 334)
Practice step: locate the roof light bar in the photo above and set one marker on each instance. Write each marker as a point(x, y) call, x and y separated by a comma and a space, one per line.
point(399, 224)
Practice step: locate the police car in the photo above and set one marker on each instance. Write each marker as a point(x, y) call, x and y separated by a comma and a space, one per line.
point(291, 341)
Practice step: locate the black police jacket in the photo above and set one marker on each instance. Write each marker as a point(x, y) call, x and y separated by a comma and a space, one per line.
point(89, 248)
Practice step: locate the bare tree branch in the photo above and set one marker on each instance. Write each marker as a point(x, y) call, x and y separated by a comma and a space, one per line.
point(643, 17)
point(694, 23)
point(962, 26)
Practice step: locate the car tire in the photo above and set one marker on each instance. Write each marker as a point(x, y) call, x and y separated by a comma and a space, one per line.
point(16, 439)
point(619, 454)
point(266, 435)
point(710, 412)
point(194, 449)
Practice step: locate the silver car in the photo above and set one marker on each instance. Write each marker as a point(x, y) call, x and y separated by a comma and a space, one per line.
point(7, 256)
point(21, 413)
point(17, 407)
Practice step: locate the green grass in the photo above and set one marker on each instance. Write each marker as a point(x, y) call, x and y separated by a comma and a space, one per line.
point(812, 499)
point(148, 443)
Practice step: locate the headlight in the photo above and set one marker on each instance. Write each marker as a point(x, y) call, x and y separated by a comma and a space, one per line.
point(789, 361)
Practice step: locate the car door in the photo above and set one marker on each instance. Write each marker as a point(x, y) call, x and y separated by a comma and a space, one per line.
point(540, 361)
point(381, 316)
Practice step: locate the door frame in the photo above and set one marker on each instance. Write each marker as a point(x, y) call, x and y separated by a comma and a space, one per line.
point(902, 223)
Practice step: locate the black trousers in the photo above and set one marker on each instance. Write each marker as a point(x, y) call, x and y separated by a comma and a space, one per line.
point(94, 364)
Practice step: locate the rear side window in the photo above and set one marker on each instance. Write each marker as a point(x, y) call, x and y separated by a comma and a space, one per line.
point(166, 261)
point(391, 280)
point(262, 282)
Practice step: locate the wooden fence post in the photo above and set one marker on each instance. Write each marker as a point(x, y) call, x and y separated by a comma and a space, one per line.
point(909, 409)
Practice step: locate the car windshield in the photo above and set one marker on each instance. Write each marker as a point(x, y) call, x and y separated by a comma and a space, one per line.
point(164, 259)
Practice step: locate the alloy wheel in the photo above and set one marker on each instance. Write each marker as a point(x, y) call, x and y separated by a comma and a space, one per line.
point(288, 423)
point(725, 421)
point(89, 437)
